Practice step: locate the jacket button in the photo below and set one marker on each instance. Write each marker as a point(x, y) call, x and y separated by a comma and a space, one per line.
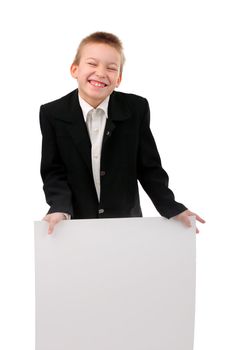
point(101, 211)
point(102, 173)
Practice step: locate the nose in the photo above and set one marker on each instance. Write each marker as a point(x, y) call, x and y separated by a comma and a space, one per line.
point(100, 72)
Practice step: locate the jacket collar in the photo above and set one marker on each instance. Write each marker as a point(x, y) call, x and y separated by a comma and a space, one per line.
point(118, 109)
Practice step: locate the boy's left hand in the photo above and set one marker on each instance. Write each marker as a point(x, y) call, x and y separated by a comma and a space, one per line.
point(184, 218)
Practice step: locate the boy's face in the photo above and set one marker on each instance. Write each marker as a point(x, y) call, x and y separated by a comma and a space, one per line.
point(98, 72)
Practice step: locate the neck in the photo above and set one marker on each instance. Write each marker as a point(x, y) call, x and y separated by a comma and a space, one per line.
point(91, 102)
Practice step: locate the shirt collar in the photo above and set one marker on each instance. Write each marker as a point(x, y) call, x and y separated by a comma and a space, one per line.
point(86, 108)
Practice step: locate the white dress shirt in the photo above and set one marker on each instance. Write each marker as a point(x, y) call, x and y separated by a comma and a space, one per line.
point(95, 119)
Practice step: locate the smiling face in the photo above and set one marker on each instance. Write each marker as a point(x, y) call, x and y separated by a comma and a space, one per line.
point(98, 72)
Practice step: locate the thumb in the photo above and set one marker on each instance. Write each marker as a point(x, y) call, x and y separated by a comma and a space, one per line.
point(51, 227)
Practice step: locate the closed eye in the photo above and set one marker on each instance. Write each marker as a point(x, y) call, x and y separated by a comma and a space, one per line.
point(113, 69)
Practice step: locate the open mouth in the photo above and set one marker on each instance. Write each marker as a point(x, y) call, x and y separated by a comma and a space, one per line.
point(97, 84)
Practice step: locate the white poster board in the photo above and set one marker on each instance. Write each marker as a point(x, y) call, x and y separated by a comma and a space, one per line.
point(115, 284)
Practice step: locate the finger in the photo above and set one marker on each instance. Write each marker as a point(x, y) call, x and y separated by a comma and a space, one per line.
point(198, 218)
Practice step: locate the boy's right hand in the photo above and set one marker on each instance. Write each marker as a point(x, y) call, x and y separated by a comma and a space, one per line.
point(53, 219)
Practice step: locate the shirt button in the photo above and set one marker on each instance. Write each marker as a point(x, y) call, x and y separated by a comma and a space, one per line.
point(102, 173)
point(96, 130)
point(101, 211)
point(95, 156)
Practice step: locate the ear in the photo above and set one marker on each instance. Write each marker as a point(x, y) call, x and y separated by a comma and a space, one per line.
point(119, 80)
point(74, 70)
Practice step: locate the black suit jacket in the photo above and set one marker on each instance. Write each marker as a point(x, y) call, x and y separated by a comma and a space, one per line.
point(129, 153)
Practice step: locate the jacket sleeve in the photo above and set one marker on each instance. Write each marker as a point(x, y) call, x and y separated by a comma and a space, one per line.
point(57, 192)
point(151, 175)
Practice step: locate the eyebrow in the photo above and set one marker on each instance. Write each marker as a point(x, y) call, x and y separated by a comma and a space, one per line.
point(95, 59)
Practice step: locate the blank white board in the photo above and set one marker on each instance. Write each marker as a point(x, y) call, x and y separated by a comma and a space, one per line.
point(115, 284)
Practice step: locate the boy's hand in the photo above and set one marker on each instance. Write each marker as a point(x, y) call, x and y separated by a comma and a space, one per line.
point(53, 219)
point(184, 218)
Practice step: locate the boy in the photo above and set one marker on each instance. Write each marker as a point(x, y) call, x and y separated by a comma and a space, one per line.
point(97, 143)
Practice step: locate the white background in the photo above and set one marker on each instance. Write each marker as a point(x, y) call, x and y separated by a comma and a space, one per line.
point(179, 56)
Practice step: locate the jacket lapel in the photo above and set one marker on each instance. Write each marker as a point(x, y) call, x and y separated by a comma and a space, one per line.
point(117, 111)
point(75, 123)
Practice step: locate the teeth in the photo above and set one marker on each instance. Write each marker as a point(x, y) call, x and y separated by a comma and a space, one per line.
point(97, 84)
